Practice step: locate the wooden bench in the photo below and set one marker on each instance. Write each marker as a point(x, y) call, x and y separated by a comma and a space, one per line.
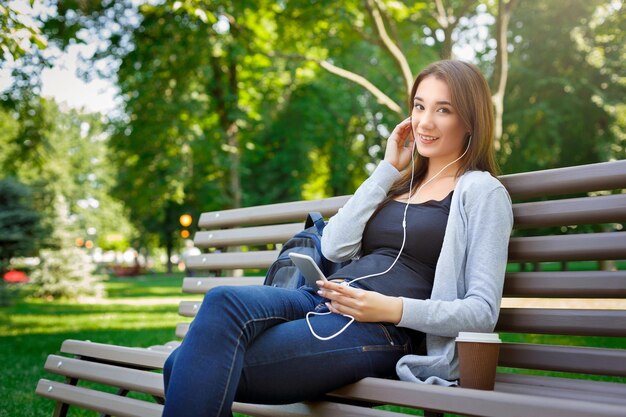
point(586, 195)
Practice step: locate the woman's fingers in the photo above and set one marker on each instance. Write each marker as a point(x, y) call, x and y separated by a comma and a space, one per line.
point(344, 299)
point(330, 289)
point(396, 153)
point(338, 308)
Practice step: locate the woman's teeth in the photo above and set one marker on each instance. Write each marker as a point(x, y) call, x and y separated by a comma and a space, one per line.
point(428, 138)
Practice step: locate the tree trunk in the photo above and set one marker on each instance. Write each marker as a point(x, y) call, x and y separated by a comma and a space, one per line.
point(169, 246)
point(232, 135)
point(446, 50)
point(501, 72)
point(171, 226)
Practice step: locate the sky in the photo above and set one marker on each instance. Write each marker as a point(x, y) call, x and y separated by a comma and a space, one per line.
point(61, 82)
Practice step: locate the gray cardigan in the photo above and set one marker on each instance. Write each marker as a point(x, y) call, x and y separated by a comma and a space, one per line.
point(469, 276)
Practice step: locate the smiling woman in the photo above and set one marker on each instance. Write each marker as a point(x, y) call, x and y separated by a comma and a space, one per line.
point(427, 273)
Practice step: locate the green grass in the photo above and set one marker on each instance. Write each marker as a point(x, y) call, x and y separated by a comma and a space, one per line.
point(139, 311)
point(32, 329)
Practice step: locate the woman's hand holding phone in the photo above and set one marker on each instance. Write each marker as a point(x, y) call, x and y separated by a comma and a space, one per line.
point(363, 305)
point(396, 153)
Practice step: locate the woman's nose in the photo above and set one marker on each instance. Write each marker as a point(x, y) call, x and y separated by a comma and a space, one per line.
point(426, 121)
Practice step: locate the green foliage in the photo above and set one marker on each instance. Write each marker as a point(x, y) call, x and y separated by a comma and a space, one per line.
point(17, 38)
point(552, 115)
point(65, 273)
point(20, 226)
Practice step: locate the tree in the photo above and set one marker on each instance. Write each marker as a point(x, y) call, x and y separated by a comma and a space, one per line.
point(602, 41)
point(553, 119)
point(20, 227)
point(65, 271)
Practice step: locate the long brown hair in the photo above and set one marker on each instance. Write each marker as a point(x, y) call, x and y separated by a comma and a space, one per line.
point(471, 98)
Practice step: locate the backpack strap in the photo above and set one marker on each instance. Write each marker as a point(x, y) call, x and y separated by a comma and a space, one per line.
point(315, 218)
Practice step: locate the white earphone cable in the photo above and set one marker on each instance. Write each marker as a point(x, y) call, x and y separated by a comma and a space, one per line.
point(406, 207)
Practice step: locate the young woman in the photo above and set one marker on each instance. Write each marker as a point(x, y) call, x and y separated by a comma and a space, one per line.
point(435, 236)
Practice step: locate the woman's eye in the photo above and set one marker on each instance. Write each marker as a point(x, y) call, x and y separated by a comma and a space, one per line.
point(443, 110)
point(418, 106)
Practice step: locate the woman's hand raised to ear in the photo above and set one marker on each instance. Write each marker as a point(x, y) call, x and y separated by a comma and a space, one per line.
point(396, 153)
point(363, 305)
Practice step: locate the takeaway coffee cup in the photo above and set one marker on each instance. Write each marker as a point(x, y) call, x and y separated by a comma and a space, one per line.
point(478, 359)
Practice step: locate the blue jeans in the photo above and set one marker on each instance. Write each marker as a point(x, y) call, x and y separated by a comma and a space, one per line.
point(252, 344)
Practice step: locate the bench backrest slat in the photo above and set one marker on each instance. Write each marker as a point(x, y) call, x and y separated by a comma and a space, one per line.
point(570, 180)
point(564, 358)
point(577, 247)
point(200, 285)
point(563, 321)
point(260, 235)
point(271, 213)
point(596, 210)
point(580, 284)
point(562, 284)
point(233, 260)
point(532, 320)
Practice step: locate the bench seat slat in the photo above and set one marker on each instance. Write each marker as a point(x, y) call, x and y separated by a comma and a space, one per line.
point(162, 348)
point(118, 376)
point(474, 402)
point(576, 284)
point(578, 247)
point(128, 407)
point(137, 357)
point(102, 402)
point(596, 210)
point(569, 180)
point(309, 409)
point(562, 321)
point(585, 360)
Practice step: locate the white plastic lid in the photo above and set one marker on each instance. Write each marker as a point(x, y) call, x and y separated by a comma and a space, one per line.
point(478, 337)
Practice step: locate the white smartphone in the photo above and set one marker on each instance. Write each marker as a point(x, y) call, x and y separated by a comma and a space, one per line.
point(309, 269)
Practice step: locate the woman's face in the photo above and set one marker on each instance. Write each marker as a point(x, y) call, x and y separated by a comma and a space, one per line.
point(438, 129)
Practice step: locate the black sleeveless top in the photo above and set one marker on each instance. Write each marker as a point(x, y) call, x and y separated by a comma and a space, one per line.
point(412, 276)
